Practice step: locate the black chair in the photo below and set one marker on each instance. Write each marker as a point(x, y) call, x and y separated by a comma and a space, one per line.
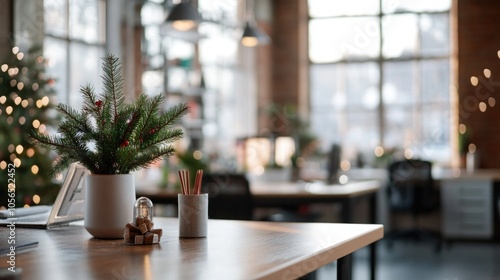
point(229, 196)
point(411, 191)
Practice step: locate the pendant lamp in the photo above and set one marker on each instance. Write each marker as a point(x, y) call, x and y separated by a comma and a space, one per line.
point(252, 35)
point(184, 16)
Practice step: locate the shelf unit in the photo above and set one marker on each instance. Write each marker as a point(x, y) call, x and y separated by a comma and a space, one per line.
point(184, 84)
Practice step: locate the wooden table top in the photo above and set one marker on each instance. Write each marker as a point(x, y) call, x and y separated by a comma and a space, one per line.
point(232, 250)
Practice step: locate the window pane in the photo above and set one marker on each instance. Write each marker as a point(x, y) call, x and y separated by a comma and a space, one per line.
point(324, 124)
point(324, 88)
point(153, 82)
point(362, 86)
point(360, 129)
point(361, 133)
point(435, 32)
point(85, 68)
point(436, 81)
point(178, 79)
point(327, 99)
point(84, 20)
point(331, 8)
point(400, 103)
point(55, 17)
point(335, 39)
point(225, 11)
point(152, 14)
point(152, 42)
point(55, 51)
point(179, 49)
point(399, 129)
point(219, 46)
point(398, 85)
point(344, 100)
point(435, 139)
point(391, 6)
point(400, 34)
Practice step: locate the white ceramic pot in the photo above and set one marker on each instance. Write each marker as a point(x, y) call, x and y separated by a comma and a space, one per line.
point(109, 204)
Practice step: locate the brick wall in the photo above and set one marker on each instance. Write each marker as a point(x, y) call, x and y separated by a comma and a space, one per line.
point(6, 27)
point(477, 32)
point(288, 62)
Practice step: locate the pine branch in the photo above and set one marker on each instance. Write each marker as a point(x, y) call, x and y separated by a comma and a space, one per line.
point(60, 165)
point(79, 145)
point(90, 100)
point(75, 118)
point(166, 137)
point(124, 137)
point(174, 113)
point(151, 108)
point(46, 141)
point(113, 84)
point(150, 156)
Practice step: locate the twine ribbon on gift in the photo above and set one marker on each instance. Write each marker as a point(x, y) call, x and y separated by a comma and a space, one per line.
point(186, 184)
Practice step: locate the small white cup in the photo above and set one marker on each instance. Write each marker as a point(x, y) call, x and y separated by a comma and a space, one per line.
point(193, 215)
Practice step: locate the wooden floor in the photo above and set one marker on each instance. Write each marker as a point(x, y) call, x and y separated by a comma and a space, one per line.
point(416, 261)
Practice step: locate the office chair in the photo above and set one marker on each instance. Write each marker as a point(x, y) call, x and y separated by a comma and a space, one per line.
point(229, 196)
point(411, 190)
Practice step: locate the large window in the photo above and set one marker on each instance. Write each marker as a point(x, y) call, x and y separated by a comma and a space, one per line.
point(380, 76)
point(74, 43)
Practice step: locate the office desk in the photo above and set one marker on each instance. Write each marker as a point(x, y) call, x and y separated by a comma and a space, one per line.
point(275, 194)
point(232, 250)
point(282, 194)
point(290, 194)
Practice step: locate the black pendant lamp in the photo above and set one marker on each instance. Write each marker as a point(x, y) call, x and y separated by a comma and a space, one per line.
point(252, 35)
point(184, 16)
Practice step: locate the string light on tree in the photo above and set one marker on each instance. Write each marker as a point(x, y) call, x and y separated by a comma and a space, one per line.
point(34, 169)
point(36, 199)
point(25, 102)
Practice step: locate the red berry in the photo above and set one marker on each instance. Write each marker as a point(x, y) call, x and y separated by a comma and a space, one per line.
point(98, 103)
point(124, 144)
point(152, 130)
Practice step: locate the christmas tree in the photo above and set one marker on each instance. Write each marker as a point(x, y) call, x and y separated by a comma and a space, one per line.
point(25, 104)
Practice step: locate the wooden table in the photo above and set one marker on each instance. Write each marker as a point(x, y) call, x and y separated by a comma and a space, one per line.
point(232, 250)
point(282, 194)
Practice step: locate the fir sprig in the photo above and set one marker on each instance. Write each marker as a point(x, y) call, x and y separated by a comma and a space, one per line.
point(110, 136)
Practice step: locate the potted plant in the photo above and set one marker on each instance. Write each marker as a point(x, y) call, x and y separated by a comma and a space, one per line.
point(112, 138)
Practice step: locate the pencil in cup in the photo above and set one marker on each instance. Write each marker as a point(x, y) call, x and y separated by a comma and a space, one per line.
point(186, 184)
